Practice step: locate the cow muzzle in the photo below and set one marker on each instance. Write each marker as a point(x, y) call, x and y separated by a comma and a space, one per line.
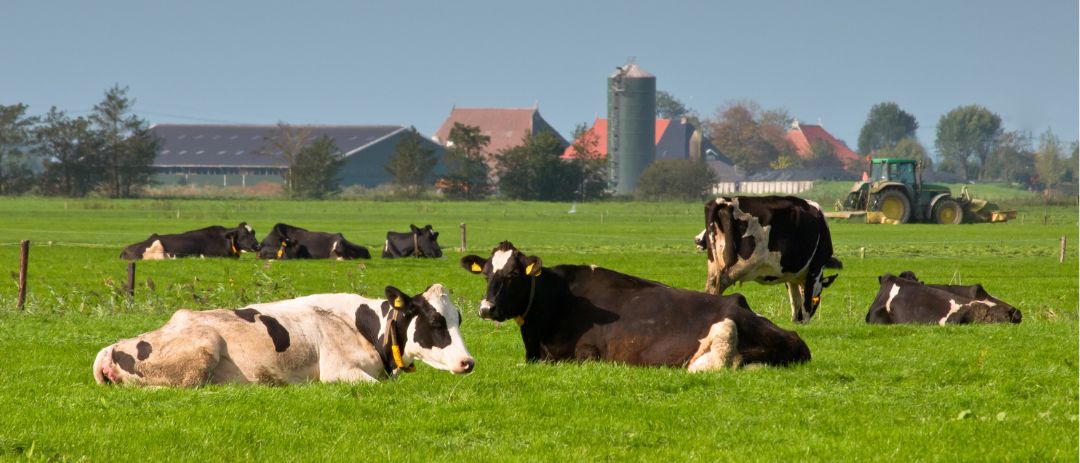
point(486, 309)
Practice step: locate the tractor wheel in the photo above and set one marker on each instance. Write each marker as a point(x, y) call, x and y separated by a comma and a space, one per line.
point(947, 212)
point(895, 206)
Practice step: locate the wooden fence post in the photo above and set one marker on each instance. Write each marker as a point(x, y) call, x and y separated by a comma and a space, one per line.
point(463, 243)
point(24, 259)
point(131, 279)
point(1061, 253)
point(862, 253)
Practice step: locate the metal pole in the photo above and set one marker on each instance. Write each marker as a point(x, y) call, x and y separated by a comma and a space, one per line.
point(24, 259)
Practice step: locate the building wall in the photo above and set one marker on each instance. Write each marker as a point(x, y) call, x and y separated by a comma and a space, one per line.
point(367, 167)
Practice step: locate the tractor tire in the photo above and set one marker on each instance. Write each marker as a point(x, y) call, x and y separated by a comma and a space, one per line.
point(895, 206)
point(947, 212)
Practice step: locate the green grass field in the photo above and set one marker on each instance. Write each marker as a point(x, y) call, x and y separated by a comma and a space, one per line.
point(896, 393)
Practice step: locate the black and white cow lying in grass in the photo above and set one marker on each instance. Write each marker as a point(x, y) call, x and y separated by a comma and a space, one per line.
point(904, 299)
point(581, 312)
point(290, 242)
point(213, 241)
point(769, 240)
point(418, 242)
point(323, 337)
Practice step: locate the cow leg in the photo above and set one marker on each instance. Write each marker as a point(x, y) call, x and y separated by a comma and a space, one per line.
point(718, 350)
point(795, 295)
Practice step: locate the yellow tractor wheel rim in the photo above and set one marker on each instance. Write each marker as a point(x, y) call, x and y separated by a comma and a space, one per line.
point(892, 208)
point(947, 215)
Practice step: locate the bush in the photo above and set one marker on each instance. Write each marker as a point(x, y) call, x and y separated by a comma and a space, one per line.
point(675, 179)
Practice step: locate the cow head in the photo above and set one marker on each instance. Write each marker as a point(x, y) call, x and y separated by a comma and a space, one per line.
point(430, 325)
point(426, 240)
point(242, 238)
point(511, 281)
point(989, 312)
point(813, 297)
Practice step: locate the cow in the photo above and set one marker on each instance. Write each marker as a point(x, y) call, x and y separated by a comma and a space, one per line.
point(769, 240)
point(288, 242)
point(322, 337)
point(419, 242)
point(904, 299)
point(213, 241)
point(583, 312)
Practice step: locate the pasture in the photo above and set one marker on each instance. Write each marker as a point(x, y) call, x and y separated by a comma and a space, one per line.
point(899, 393)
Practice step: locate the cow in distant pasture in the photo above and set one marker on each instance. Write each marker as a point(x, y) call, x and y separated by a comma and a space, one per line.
point(769, 240)
point(418, 242)
point(288, 242)
point(904, 299)
point(322, 337)
point(214, 241)
point(583, 312)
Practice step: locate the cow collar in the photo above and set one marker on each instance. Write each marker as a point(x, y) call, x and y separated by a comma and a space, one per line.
point(520, 319)
point(390, 339)
point(281, 250)
point(232, 243)
point(416, 245)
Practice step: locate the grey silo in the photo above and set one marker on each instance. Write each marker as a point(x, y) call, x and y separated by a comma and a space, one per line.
point(631, 125)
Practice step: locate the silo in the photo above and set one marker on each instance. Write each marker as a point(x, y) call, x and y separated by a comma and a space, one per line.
point(631, 125)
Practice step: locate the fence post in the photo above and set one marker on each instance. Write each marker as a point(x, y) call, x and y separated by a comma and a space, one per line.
point(1061, 253)
point(131, 279)
point(862, 253)
point(463, 243)
point(24, 259)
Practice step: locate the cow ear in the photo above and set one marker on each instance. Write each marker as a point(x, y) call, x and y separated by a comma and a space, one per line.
point(413, 228)
point(435, 236)
point(230, 235)
point(397, 299)
point(427, 227)
point(826, 281)
point(473, 263)
point(532, 265)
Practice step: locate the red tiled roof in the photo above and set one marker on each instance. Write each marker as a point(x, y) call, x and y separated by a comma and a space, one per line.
point(506, 127)
point(805, 135)
point(599, 133)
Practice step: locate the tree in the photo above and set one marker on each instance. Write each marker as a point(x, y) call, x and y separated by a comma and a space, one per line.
point(314, 173)
point(72, 155)
point(467, 172)
point(676, 179)
point(885, 126)
point(823, 156)
point(128, 146)
point(535, 171)
point(965, 137)
point(1049, 165)
point(16, 136)
point(669, 107)
point(286, 141)
point(590, 164)
point(750, 137)
point(1012, 158)
point(411, 164)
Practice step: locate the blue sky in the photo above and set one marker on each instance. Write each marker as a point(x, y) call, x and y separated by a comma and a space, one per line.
point(410, 62)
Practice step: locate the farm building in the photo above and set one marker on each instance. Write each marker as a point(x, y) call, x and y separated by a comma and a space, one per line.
point(674, 139)
point(507, 127)
point(242, 155)
point(803, 136)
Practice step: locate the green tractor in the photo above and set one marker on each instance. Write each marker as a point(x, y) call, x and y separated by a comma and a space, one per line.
point(895, 193)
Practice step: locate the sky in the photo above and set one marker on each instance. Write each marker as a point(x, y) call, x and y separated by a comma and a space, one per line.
point(410, 63)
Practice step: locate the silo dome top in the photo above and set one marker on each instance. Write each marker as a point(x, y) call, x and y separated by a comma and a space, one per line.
point(632, 70)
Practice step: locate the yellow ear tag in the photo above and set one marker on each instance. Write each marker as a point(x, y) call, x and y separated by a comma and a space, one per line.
point(476, 268)
point(398, 303)
point(528, 269)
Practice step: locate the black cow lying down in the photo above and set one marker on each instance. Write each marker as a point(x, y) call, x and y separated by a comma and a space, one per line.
point(322, 337)
point(213, 241)
point(418, 242)
point(289, 242)
point(904, 299)
point(581, 312)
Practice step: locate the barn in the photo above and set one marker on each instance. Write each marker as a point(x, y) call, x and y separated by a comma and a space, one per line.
point(242, 155)
point(507, 127)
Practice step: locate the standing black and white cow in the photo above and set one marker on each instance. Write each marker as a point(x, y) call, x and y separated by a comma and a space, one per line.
point(323, 337)
point(769, 240)
point(903, 299)
point(581, 312)
point(419, 242)
point(214, 241)
point(288, 242)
